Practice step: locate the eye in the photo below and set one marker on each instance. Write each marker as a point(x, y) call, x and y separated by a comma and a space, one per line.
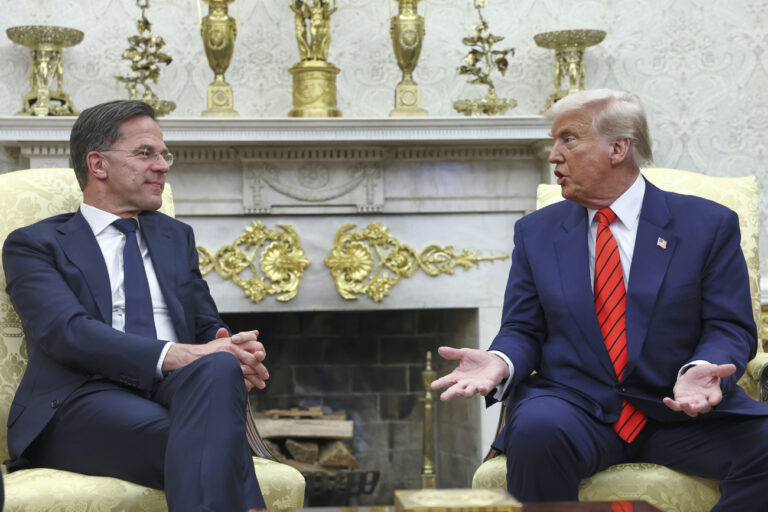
point(143, 153)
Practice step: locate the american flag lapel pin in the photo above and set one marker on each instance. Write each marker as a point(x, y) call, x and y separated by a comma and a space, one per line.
point(661, 243)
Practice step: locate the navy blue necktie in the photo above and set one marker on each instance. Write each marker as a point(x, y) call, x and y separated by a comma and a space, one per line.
point(139, 316)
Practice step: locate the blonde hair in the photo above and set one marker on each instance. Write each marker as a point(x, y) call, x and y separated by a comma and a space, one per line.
point(616, 115)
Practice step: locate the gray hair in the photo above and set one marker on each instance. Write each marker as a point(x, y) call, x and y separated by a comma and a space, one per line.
point(98, 128)
point(617, 115)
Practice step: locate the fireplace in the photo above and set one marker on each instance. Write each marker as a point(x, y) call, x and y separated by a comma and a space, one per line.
point(368, 364)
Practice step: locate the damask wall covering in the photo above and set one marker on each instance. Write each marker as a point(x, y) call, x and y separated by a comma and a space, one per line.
point(700, 66)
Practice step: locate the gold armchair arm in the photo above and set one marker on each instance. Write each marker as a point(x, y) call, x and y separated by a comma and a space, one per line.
point(756, 368)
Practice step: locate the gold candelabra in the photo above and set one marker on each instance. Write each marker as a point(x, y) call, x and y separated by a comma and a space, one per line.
point(407, 31)
point(428, 476)
point(314, 78)
point(45, 96)
point(569, 48)
point(479, 62)
point(144, 53)
point(219, 31)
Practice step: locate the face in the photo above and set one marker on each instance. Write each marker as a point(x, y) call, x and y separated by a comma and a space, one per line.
point(584, 163)
point(130, 178)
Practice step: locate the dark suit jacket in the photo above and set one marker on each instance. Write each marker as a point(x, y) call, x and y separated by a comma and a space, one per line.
point(58, 283)
point(688, 301)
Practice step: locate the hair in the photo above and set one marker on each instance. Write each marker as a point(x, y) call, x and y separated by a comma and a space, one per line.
point(98, 128)
point(616, 115)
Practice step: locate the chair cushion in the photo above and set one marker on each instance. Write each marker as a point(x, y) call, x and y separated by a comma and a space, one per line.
point(664, 488)
point(43, 490)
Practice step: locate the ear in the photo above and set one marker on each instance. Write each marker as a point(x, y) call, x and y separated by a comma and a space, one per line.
point(97, 165)
point(619, 151)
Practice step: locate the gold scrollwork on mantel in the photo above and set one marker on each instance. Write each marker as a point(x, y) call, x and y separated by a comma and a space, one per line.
point(281, 261)
point(354, 268)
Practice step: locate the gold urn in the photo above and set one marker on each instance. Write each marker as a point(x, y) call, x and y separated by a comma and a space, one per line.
point(219, 31)
point(407, 31)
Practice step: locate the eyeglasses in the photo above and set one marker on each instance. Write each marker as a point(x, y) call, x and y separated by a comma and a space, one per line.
point(146, 155)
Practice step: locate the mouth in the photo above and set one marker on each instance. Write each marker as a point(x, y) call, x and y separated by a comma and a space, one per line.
point(156, 185)
point(560, 177)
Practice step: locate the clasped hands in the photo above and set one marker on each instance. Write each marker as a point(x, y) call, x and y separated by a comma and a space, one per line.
point(243, 345)
point(696, 390)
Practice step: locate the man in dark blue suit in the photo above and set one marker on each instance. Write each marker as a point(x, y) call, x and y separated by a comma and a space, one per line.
point(158, 400)
point(645, 372)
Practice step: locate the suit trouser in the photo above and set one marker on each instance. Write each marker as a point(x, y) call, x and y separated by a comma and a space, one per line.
point(187, 438)
point(552, 445)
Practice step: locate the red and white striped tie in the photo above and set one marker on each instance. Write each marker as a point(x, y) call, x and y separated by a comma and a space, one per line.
point(611, 308)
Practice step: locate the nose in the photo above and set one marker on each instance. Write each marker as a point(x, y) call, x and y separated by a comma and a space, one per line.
point(555, 156)
point(160, 165)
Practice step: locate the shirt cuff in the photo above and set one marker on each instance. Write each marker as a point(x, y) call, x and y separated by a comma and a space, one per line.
point(690, 365)
point(159, 368)
point(501, 389)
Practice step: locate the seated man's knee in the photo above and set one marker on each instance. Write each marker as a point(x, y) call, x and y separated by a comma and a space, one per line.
point(536, 429)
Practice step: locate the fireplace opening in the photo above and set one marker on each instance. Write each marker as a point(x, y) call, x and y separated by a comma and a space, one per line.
point(368, 364)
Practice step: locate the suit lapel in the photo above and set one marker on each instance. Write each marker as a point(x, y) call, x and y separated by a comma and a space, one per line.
point(164, 260)
point(654, 245)
point(79, 244)
point(573, 264)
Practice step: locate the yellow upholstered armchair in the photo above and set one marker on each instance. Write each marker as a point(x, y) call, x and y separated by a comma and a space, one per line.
point(26, 197)
point(668, 490)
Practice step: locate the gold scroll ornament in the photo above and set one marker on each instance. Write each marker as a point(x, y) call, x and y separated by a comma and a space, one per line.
point(356, 271)
point(280, 259)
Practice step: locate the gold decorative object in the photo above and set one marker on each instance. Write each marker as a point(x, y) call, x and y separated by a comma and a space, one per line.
point(569, 48)
point(456, 500)
point(45, 43)
point(281, 261)
point(407, 31)
point(314, 78)
point(481, 60)
point(356, 272)
point(428, 477)
point(144, 55)
point(219, 30)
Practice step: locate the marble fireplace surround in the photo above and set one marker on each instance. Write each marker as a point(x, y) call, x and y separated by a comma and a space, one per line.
point(460, 182)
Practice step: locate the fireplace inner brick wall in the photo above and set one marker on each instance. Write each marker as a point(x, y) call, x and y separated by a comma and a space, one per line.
point(369, 363)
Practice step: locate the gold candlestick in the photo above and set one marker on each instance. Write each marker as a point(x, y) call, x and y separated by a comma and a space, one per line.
point(219, 31)
point(407, 31)
point(481, 60)
point(569, 48)
point(314, 78)
point(46, 43)
point(428, 476)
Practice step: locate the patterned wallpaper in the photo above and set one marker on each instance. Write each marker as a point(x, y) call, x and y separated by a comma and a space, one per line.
point(700, 66)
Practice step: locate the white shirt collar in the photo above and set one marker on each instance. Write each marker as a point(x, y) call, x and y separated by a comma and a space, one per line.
point(628, 205)
point(98, 219)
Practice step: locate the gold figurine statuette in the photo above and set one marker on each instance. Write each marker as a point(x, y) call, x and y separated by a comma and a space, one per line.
point(428, 476)
point(144, 53)
point(481, 60)
point(45, 96)
point(219, 30)
point(314, 78)
point(407, 31)
point(569, 48)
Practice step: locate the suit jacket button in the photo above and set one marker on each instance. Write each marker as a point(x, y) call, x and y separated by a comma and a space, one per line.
point(54, 403)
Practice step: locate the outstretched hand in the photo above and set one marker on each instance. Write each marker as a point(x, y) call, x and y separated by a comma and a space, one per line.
point(478, 372)
point(698, 390)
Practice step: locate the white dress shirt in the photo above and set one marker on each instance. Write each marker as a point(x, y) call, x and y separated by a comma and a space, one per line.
point(111, 242)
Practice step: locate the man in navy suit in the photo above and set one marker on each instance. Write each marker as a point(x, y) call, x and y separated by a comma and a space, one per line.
point(165, 410)
point(682, 334)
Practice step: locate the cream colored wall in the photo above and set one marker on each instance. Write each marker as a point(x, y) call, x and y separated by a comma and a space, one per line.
point(699, 65)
